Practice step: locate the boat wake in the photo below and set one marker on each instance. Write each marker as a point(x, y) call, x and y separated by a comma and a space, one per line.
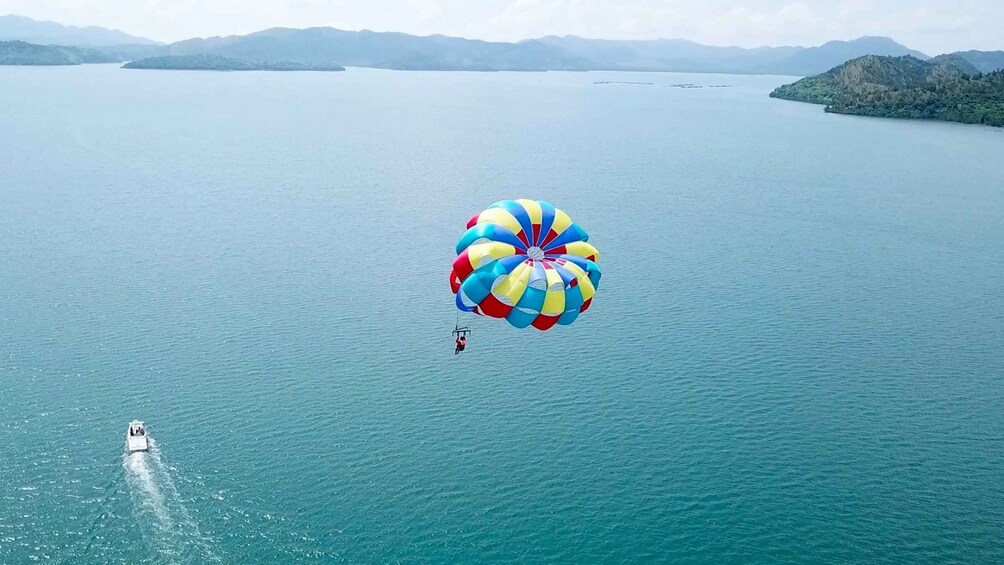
point(159, 510)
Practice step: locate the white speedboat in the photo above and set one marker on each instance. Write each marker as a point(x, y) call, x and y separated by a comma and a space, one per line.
point(136, 437)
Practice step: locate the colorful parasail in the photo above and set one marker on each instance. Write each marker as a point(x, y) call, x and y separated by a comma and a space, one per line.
point(527, 262)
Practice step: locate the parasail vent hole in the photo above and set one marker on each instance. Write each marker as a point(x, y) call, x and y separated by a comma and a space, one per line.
point(535, 252)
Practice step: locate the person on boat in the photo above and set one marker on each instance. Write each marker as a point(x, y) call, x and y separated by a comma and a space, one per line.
point(461, 344)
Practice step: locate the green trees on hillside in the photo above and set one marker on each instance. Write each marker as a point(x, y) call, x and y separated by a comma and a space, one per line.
point(905, 87)
point(208, 62)
point(22, 53)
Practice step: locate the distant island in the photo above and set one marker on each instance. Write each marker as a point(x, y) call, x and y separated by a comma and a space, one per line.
point(207, 62)
point(948, 87)
point(22, 53)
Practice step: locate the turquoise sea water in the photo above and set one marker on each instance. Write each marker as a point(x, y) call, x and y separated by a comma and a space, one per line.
point(796, 354)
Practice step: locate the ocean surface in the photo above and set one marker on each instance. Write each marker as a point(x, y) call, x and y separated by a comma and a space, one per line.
point(796, 354)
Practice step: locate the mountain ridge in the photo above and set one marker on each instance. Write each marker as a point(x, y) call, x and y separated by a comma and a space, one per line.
point(328, 46)
point(395, 50)
point(20, 28)
point(682, 55)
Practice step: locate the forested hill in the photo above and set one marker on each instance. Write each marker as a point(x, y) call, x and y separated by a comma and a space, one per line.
point(945, 88)
point(204, 62)
point(22, 53)
point(983, 61)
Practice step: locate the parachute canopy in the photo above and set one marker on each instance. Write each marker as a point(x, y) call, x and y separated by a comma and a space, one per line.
point(527, 262)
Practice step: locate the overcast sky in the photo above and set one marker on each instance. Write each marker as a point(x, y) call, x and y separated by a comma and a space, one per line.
point(932, 26)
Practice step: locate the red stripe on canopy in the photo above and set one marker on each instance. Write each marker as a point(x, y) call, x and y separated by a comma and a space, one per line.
point(494, 307)
point(461, 268)
point(544, 322)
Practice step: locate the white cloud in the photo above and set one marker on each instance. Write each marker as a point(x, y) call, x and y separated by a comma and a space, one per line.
point(427, 9)
point(629, 18)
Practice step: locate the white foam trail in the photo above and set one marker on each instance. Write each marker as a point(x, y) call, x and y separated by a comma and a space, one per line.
point(160, 510)
point(144, 486)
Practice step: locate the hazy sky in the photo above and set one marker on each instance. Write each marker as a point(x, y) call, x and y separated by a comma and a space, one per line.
point(932, 26)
